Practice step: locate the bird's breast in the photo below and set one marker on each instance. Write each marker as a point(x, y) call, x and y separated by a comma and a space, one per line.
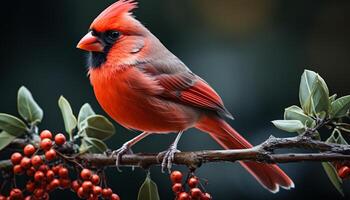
point(130, 98)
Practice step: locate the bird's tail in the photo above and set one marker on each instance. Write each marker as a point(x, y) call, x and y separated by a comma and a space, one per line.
point(269, 175)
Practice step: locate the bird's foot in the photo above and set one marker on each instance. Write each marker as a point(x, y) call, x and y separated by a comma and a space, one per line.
point(168, 157)
point(125, 149)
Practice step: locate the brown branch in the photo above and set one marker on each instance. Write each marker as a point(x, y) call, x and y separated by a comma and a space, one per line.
point(195, 159)
point(261, 153)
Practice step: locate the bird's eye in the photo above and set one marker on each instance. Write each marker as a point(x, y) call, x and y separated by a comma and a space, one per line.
point(93, 32)
point(113, 35)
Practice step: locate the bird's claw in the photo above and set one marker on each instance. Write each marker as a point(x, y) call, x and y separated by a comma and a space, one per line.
point(125, 149)
point(168, 158)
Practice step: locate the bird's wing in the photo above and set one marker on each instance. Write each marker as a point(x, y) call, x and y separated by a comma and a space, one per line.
point(181, 85)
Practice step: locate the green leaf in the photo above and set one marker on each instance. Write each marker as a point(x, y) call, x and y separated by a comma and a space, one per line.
point(85, 112)
point(333, 176)
point(296, 113)
point(84, 147)
point(95, 145)
point(331, 139)
point(340, 107)
point(98, 126)
point(305, 88)
point(27, 107)
point(333, 97)
point(12, 125)
point(289, 125)
point(70, 122)
point(148, 190)
point(341, 140)
point(5, 139)
point(320, 97)
point(337, 138)
point(317, 135)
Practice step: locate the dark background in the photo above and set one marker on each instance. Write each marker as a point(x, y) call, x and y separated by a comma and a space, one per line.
point(252, 52)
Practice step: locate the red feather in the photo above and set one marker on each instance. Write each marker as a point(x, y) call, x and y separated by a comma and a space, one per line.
point(189, 89)
point(111, 17)
point(202, 95)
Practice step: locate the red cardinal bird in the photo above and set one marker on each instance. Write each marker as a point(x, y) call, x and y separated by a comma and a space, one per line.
point(143, 86)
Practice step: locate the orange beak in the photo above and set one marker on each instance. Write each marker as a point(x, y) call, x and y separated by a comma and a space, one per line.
point(90, 43)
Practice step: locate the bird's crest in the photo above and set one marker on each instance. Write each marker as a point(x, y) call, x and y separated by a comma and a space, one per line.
point(111, 14)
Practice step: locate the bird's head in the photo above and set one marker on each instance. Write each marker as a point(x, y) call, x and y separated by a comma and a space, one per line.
point(115, 36)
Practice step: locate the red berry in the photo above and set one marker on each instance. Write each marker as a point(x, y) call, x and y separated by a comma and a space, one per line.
point(17, 169)
point(45, 196)
point(75, 186)
point(44, 168)
point(56, 168)
point(114, 197)
point(46, 144)
point(50, 154)
point(36, 161)
point(196, 193)
point(46, 134)
point(50, 175)
point(2, 197)
point(184, 196)
point(95, 179)
point(193, 182)
point(25, 163)
point(344, 172)
point(31, 171)
point(30, 186)
point(97, 190)
point(16, 194)
point(55, 183)
point(39, 176)
point(106, 193)
point(177, 187)
point(16, 158)
point(176, 177)
point(60, 139)
point(81, 193)
point(65, 183)
point(93, 197)
point(63, 172)
point(87, 186)
point(85, 174)
point(39, 193)
point(29, 150)
point(206, 196)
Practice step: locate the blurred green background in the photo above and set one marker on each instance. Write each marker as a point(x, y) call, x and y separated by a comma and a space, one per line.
point(252, 52)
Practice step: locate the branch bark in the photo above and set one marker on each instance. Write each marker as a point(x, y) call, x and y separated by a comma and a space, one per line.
point(264, 153)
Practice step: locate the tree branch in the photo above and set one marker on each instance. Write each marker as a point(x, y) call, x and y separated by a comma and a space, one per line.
point(264, 153)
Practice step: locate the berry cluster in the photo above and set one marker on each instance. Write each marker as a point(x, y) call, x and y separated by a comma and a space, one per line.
point(194, 193)
point(31, 161)
point(48, 171)
point(88, 187)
